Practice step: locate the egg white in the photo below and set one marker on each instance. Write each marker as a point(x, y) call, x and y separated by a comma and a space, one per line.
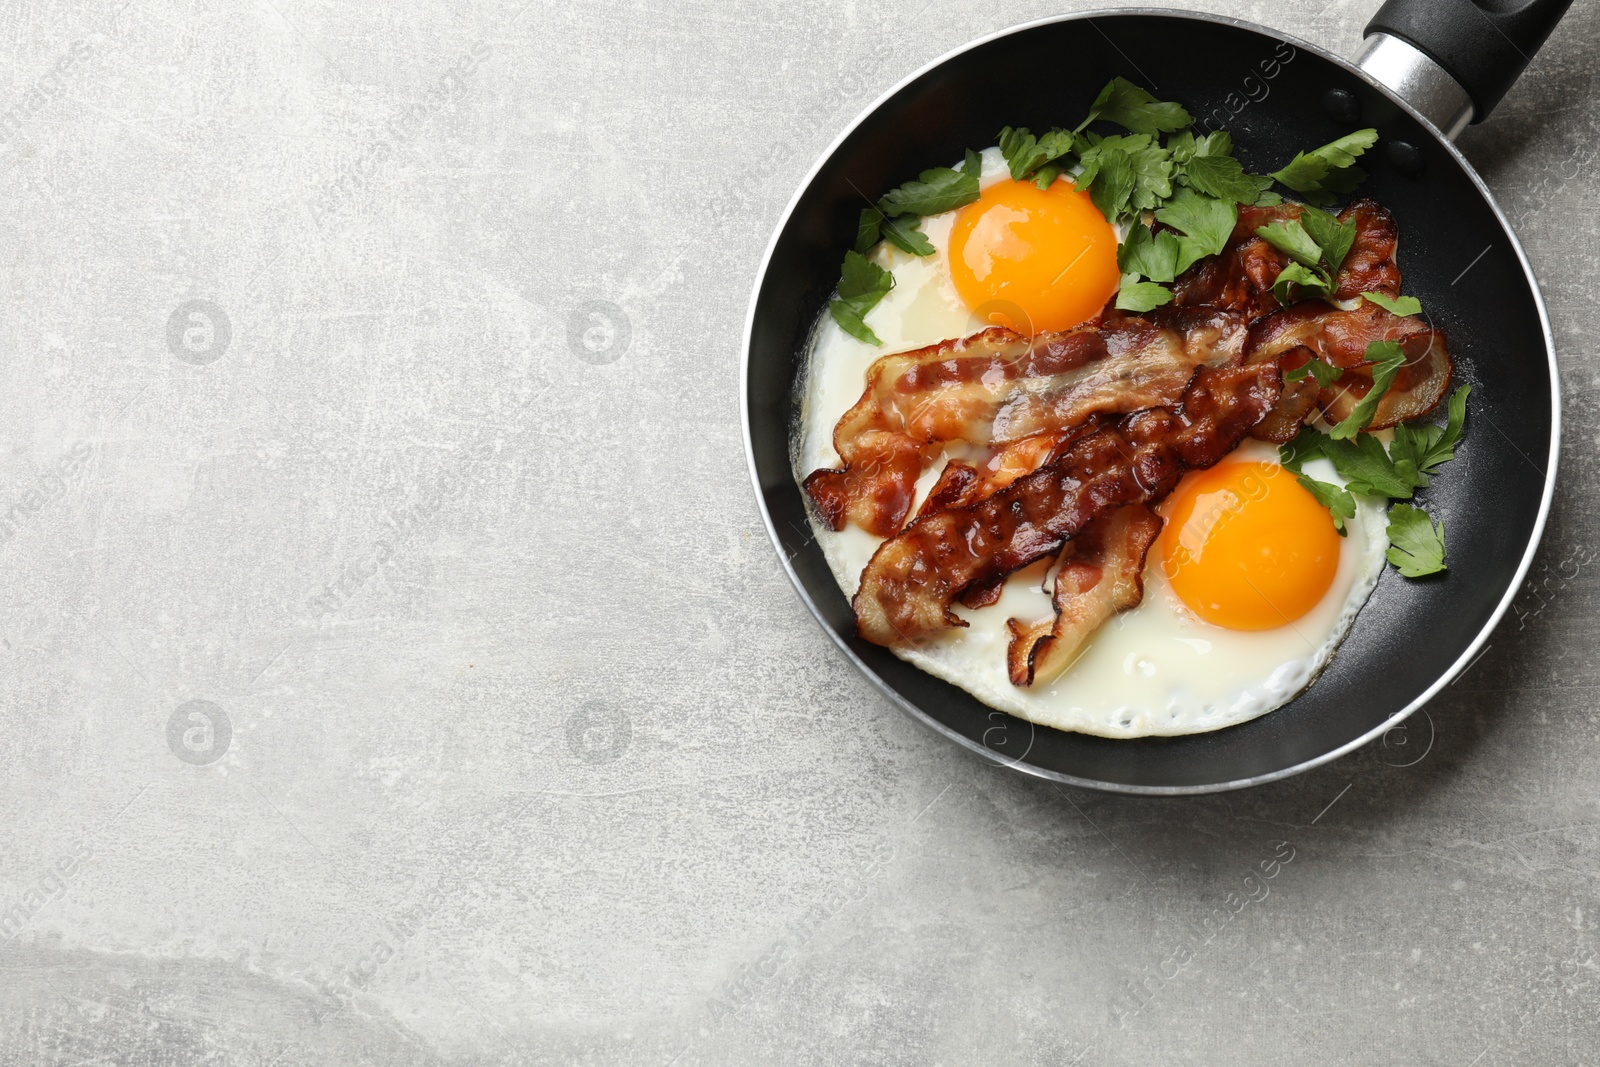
point(1157, 670)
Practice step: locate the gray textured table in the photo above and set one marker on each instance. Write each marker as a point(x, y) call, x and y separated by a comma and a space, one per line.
point(394, 669)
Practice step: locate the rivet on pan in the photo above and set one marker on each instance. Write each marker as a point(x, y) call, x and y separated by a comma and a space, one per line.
point(1341, 105)
point(1407, 158)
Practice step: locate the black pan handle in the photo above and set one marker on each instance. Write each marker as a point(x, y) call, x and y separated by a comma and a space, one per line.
point(1483, 44)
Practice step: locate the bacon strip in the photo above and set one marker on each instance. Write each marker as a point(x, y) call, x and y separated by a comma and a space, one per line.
point(1370, 266)
point(1240, 277)
point(1101, 573)
point(997, 388)
point(1340, 338)
point(909, 584)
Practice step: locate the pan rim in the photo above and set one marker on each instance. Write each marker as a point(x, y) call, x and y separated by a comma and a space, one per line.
point(910, 708)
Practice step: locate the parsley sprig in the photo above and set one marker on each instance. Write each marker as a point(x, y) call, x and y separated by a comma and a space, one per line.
point(897, 218)
point(1322, 174)
point(1191, 183)
point(1416, 453)
point(1316, 244)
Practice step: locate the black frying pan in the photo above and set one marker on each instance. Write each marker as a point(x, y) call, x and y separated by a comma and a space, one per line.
point(1277, 95)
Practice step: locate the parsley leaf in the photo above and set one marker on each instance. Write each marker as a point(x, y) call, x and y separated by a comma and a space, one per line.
point(905, 235)
point(1020, 149)
point(1152, 176)
point(1206, 222)
point(1291, 238)
point(867, 229)
point(861, 285)
point(1135, 295)
point(1324, 374)
point(1130, 107)
point(1332, 236)
point(1387, 359)
point(1046, 175)
point(1221, 177)
point(1426, 446)
point(1297, 282)
point(972, 166)
point(1340, 504)
point(1325, 171)
point(1396, 305)
point(935, 191)
point(1268, 198)
point(1125, 174)
point(1367, 468)
point(1416, 543)
point(1113, 185)
point(1364, 465)
point(1308, 444)
point(1025, 153)
point(1154, 255)
point(1186, 146)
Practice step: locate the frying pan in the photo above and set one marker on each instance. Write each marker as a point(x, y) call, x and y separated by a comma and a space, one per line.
point(1426, 70)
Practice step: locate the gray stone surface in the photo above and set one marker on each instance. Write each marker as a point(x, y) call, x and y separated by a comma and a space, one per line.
point(512, 743)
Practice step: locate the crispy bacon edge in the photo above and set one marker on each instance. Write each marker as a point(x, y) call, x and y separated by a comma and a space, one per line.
point(911, 580)
point(999, 388)
point(1314, 329)
point(1101, 574)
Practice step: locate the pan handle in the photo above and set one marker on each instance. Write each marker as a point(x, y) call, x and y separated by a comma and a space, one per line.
point(1480, 45)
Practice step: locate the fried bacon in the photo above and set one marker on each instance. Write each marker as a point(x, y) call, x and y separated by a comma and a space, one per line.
point(1101, 573)
point(1313, 329)
point(912, 579)
point(1369, 266)
point(1066, 439)
point(1240, 277)
point(999, 388)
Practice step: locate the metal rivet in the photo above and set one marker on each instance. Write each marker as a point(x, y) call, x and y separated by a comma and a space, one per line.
point(1407, 158)
point(1341, 105)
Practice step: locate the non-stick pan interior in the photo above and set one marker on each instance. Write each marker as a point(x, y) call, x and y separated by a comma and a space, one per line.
point(1455, 255)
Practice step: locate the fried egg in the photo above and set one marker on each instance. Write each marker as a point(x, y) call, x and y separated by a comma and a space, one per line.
point(1249, 589)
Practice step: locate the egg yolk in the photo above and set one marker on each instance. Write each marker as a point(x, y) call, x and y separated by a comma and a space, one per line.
point(1246, 547)
point(1033, 259)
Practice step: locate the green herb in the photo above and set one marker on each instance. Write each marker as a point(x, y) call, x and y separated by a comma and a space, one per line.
point(1387, 359)
point(1291, 238)
point(1298, 282)
point(1332, 236)
point(1046, 175)
point(1340, 504)
point(1124, 174)
point(1026, 153)
point(1368, 469)
point(867, 229)
point(904, 233)
point(1426, 446)
point(861, 285)
point(1396, 305)
point(1222, 177)
point(1323, 172)
point(1183, 146)
point(1130, 107)
point(935, 191)
point(1315, 368)
point(1307, 445)
point(1153, 255)
point(1416, 542)
point(973, 165)
point(1135, 295)
point(1186, 146)
point(1205, 221)
point(1363, 463)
